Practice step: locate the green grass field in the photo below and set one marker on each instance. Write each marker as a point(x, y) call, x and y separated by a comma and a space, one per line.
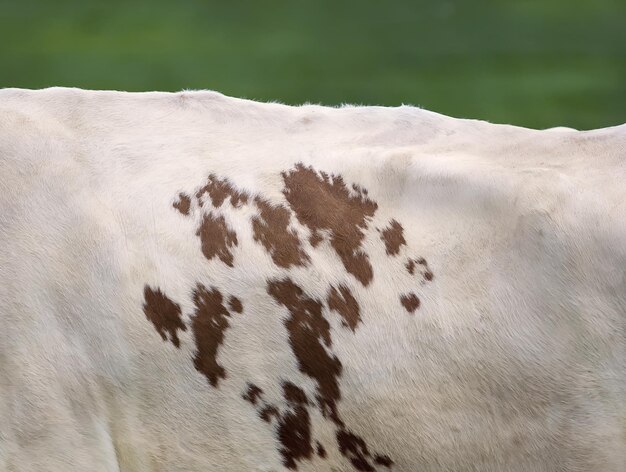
point(532, 63)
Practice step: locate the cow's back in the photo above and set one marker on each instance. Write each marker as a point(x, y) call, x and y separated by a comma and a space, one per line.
point(194, 282)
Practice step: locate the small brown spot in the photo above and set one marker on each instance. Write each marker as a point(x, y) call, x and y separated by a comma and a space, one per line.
point(383, 460)
point(220, 190)
point(411, 265)
point(346, 305)
point(321, 451)
point(410, 302)
point(235, 304)
point(271, 229)
point(315, 238)
point(309, 332)
point(253, 393)
point(267, 412)
point(393, 238)
point(354, 448)
point(209, 324)
point(183, 204)
point(323, 202)
point(164, 314)
point(216, 238)
point(294, 427)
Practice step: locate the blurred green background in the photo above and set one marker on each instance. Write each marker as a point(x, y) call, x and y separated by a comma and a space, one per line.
point(532, 63)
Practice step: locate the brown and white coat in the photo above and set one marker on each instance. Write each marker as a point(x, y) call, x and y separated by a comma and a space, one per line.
point(194, 282)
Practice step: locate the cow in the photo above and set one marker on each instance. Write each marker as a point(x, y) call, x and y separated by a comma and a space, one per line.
point(193, 282)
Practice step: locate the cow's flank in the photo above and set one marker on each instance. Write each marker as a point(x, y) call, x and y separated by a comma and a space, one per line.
point(197, 283)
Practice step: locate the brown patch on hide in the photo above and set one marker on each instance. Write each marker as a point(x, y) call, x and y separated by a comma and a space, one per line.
point(220, 190)
point(383, 460)
point(164, 314)
point(323, 202)
point(309, 332)
point(209, 324)
point(294, 395)
point(346, 305)
point(294, 427)
point(183, 204)
point(393, 238)
point(331, 210)
point(321, 451)
point(410, 302)
point(268, 412)
point(235, 304)
point(354, 448)
point(216, 238)
point(310, 340)
point(411, 265)
point(271, 229)
point(253, 393)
